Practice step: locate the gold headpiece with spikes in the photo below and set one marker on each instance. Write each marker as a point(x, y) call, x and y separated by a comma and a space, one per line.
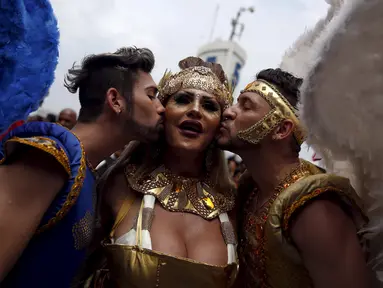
point(281, 109)
point(198, 77)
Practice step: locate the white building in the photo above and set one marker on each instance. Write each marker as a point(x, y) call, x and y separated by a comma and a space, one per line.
point(229, 54)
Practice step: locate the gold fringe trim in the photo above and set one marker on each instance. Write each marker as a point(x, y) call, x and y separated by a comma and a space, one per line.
point(45, 144)
point(72, 196)
point(289, 211)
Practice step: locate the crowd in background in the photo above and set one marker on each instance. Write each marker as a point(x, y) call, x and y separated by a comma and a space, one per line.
point(67, 118)
point(236, 168)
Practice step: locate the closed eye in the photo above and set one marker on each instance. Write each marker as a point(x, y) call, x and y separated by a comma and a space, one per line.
point(245, 103)
point(151, 92)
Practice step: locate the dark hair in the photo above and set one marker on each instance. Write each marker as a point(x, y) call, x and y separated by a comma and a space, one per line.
point(100, 72)
point(288, 85)
point(51, 118)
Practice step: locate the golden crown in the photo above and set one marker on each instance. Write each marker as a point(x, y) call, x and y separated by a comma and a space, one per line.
point(198, 77)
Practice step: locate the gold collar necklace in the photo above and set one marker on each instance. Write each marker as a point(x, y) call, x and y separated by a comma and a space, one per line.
point(182, 194)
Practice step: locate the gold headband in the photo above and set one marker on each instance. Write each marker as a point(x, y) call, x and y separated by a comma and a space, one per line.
point(281, 109)
point(198, 77)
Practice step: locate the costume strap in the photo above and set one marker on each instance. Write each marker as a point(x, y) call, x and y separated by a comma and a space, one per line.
point(124, 210)
point(139, 226)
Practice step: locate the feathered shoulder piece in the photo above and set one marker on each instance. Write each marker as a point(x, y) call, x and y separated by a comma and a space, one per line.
point(28, 57)
point(342, 100)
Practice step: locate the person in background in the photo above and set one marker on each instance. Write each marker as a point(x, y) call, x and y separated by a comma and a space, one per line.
point(51, 118)
point(35, 118)
point(67, 118)
point(232, 163)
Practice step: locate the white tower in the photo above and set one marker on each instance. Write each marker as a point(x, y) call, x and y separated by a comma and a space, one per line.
point(229, 54)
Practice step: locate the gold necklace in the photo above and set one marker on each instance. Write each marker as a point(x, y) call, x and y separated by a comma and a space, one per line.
point(182, 194)
point(256, 223)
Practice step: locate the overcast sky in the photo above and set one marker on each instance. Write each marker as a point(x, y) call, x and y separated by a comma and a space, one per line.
point(174, 30)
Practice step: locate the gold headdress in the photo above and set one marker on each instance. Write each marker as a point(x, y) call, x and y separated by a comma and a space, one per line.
point(280, 109)
point(197, 77)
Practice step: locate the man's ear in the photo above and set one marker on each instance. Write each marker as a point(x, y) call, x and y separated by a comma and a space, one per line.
point(115, 100)
point(284, 130)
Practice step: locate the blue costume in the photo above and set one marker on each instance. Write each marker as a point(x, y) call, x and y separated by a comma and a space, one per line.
point(58, 248)
point(28, 58)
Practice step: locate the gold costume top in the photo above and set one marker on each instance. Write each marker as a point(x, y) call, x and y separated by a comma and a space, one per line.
point(267, 254)
point(131, 260)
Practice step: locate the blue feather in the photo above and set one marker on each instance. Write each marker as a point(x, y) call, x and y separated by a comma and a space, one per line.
point(29, 39)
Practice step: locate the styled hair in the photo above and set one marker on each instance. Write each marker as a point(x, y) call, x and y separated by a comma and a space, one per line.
point(289, 86)
point(100, 72)
point(287, 83)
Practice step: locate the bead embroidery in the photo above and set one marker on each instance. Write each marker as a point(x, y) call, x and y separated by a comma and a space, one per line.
point(289, 211)
point(252, 249)
point(72, 195)
point(47, 145)
point(82, 231)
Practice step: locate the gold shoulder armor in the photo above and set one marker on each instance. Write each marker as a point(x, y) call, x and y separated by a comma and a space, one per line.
point(42, 143)
point(302, 192)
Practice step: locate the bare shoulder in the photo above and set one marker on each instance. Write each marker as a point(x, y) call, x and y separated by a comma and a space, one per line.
point(30, 181)
point(327, 240)
point(31, 178)
point(322, 223)
point(33, 169)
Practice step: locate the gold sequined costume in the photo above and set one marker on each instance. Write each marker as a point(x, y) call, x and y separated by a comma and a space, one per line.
point(266, 250)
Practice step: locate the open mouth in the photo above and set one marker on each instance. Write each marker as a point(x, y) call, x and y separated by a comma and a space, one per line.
point(191, 128)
